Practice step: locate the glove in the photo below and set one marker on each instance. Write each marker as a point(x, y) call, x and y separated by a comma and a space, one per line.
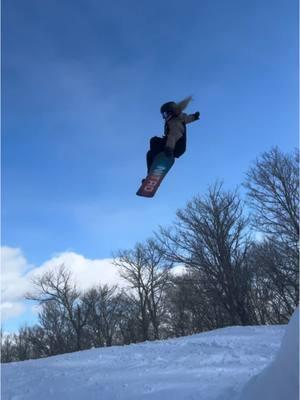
point(197, 115)
point(168, 152)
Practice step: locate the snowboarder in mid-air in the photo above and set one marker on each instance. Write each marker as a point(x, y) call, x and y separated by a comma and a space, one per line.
point(173, 143)
point(164, 149)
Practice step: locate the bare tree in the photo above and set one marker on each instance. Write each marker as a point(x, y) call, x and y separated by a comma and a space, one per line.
point(273, 193)
point(158, 279)
point(147, 272)
point(192, 307)
point(22, 344)
point(179, 311)
point(58, 332)
point(39, 342)
point(129, 328)
point(132, 267)
point(273, 289)
point(210, 236)
point(7, 348)
point(103, 303)
point(57, 286)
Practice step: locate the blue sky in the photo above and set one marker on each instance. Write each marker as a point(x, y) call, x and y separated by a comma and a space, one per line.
point(82, 84)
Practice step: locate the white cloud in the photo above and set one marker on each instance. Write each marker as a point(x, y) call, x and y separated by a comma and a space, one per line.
point(86, 272)
point(179, 269)
point(17, 274)
point(10, 310)
point(14, 267)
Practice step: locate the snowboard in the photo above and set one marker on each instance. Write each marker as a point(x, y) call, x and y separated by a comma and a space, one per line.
point(159, 169)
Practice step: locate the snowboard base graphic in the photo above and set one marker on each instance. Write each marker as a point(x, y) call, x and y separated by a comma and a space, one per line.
point(160, 167)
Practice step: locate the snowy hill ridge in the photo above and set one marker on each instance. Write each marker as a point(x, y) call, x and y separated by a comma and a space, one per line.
point(212, 365)
point(280, 380)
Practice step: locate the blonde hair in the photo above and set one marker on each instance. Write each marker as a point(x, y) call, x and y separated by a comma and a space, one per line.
point(182, 105)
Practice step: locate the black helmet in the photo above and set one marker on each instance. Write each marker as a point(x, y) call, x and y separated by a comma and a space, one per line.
point(169, 108)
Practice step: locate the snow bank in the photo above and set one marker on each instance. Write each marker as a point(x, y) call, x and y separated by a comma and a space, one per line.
point(280, 380)
point(208, 366)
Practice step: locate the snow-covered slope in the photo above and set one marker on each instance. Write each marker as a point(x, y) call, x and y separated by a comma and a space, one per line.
point(280, 380)
point(212, 365)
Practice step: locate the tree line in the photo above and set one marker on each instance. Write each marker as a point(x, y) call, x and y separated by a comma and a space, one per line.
point(224, 261)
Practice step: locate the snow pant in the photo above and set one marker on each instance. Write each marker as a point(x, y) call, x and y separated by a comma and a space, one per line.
point(157, 145)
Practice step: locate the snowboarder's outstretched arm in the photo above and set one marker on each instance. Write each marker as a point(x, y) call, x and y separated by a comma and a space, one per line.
point(188, 118)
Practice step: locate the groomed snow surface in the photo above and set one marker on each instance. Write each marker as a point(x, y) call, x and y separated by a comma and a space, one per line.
point(216, 365)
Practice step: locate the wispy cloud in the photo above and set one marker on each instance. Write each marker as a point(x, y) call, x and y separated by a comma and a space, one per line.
point(11, 309)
